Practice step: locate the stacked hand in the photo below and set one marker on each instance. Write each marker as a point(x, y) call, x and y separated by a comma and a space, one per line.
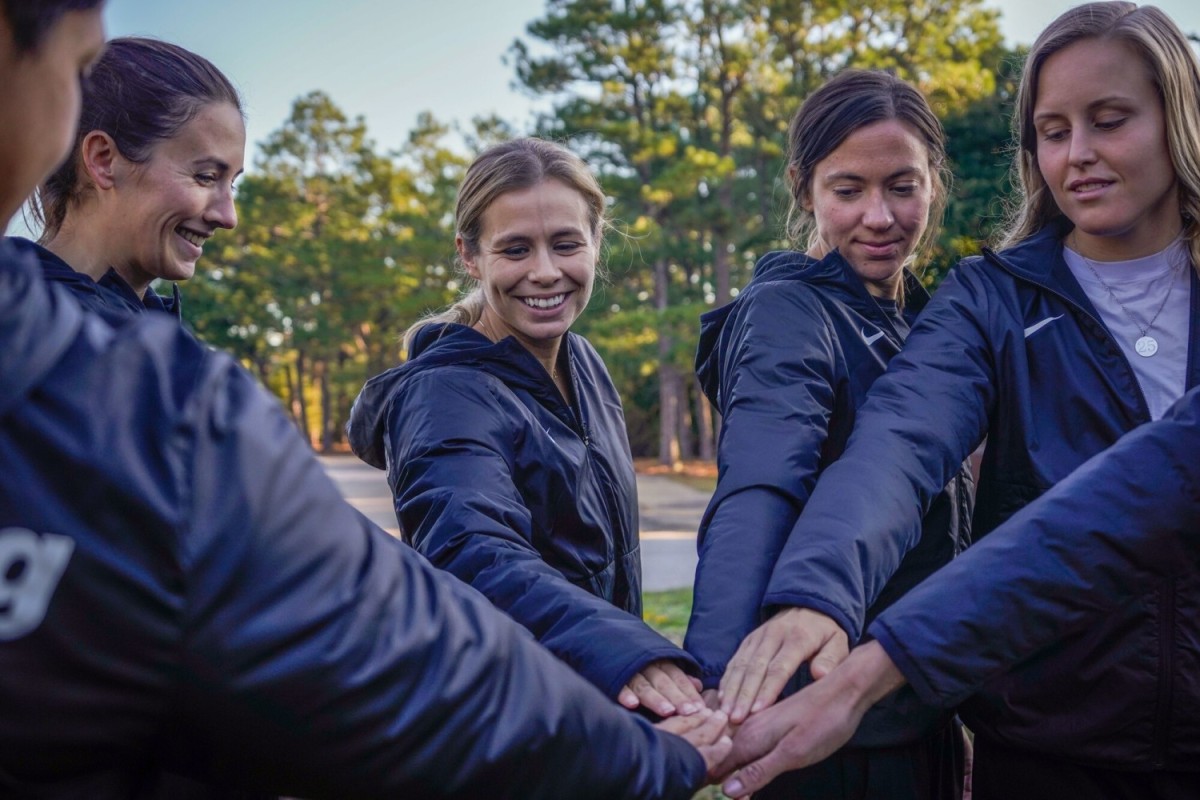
point(748, 741)
point(772, 653)
point(665, 689)
point(811, 724)
point(707, 731)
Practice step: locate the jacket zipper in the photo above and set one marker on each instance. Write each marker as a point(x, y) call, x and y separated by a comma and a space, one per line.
point(1162, 709)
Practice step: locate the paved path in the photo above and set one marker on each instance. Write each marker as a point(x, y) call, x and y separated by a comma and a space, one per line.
point(670, 514)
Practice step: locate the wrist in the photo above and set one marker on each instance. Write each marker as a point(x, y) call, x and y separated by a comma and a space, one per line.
point(870, 674)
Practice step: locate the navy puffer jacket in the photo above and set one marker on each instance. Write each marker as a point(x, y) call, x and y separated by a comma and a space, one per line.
point(528, 499)
point(1010, 348)
point(787, 364)
point(1133, 515)
point(185, 590)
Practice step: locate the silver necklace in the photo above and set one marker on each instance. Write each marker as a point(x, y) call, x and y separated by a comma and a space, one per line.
point(1146, 345)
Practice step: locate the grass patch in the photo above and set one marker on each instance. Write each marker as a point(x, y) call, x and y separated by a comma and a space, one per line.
point(667, 612)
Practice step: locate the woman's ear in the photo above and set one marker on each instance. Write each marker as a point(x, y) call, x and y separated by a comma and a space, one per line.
point(468, 260)
point(803, 196)
point(100, 155)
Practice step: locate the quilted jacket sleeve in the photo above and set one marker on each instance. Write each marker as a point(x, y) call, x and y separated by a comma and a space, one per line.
point(324, 658)
point(458, 503)
point(1113, 527)
point(777, 394)
point(920, 420)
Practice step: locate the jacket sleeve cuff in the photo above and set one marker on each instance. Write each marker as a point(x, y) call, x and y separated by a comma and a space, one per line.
point(909, 666)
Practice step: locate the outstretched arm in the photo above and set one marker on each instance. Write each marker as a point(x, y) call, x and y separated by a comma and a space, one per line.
point(458, 502)
point(777, 369)
point(921, 418)
point(322, 657)
point(1123, 519)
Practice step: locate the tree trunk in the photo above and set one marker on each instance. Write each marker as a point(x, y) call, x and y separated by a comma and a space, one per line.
point(687, 445)
point(300, 405)
point(706, 437)
point(263, 365)
point(289, 385)
point(668, 422)
point(321, 368)
point(668, 376)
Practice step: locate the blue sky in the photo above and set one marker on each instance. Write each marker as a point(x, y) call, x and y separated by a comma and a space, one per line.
point(388, 60)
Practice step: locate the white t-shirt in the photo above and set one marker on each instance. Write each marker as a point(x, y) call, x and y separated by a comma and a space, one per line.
point(1144, 286)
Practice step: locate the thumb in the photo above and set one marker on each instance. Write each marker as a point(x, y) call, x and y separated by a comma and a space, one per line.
point(754, 776)
point(832, 653)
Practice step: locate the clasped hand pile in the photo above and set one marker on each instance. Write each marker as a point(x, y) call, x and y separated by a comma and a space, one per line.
point(747, 738)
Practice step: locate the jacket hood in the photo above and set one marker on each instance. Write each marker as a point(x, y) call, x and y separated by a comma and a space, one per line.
point(831, 274)
point(36, 323)
point(54, 268)
point(440, 345)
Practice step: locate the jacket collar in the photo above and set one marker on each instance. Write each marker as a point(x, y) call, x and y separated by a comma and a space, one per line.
point(835, 273)
point(832, 274)
point(450, 344)
point(1039, 260)
point(56, 270)
point(151, 301)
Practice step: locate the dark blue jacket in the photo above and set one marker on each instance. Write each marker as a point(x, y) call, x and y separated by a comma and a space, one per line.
point(185, 589)
point(528, 499)
point(1134, 515)
point(110, 297)
point(1012, 349)
point(787, 364)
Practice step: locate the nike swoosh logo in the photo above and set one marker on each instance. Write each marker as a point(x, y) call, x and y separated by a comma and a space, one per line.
point(1037, 326)
point(870, 340)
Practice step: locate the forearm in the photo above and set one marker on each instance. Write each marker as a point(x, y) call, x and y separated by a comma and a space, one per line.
point(737, 552)
point(325, 658)
point(600, 641)
point(920, 420)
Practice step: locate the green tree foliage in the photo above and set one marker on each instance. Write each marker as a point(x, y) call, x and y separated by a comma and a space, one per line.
point(681, 107)
point(338, 250)
point(980, 150)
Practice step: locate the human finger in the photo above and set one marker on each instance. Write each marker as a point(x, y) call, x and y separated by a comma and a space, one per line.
point(831, 653)
point(675, 685)
point(649, 696)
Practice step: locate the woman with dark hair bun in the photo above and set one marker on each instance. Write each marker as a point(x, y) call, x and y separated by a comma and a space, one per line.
point(149, 179)
point(788, 364)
